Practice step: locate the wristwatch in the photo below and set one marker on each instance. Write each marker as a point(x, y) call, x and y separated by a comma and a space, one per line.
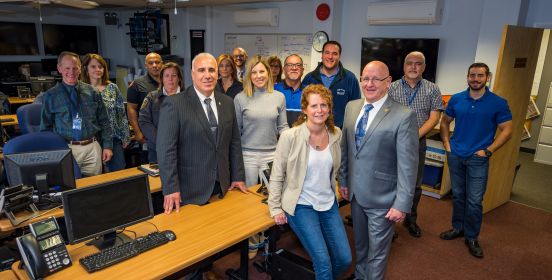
point(488, 153)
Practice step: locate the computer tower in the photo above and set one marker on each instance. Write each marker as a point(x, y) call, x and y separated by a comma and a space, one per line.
point(288, 266)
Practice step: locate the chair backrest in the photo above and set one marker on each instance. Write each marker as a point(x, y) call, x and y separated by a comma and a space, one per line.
point(37, 142)
point(28, 117)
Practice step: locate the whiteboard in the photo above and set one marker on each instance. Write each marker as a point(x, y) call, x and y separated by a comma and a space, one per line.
point(281, 45)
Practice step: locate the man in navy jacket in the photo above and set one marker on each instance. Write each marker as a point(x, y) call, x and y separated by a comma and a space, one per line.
point(331, 73)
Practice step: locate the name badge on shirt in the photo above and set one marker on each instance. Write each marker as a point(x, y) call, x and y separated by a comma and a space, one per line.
point(77, 123)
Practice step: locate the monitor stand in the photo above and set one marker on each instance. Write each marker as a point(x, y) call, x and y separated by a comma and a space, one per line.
point(109, 239)
point(44, 200)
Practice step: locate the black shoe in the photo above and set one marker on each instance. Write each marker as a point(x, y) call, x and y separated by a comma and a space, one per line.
point(474, 248)
point(451, 234)
point(413, 229)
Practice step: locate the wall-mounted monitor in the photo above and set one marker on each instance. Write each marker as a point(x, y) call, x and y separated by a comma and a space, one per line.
point(75, 38)
point(392, 52)
point(18, 38)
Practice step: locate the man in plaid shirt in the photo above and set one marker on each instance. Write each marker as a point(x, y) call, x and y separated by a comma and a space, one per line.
point(424, 98)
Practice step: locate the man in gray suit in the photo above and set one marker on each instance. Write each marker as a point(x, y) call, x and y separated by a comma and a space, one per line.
point(198, 141)
point(379, 161)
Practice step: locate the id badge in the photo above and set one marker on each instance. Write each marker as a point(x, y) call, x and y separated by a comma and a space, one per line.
point(77, 123)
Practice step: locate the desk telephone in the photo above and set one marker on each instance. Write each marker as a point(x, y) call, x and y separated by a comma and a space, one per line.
point(43, 251)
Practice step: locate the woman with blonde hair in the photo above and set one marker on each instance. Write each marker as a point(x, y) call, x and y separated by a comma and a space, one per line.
point(302, 184)
point(94, 72)
point(261, 116)
point(228, 82)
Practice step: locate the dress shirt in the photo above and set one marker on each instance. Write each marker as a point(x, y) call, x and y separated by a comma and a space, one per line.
point(56, 113)
point(377, 106)
point(213, 103)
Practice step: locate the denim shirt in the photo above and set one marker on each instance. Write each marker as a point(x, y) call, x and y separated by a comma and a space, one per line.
point(56, 114)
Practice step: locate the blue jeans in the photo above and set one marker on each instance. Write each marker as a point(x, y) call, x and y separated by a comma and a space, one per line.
point(323, 235)
point(469, 181)
point(117, 162)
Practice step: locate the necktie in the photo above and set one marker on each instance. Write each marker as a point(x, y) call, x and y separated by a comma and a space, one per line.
point(361, 126)
point(211, 117)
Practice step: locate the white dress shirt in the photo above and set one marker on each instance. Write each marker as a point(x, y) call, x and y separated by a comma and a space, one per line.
point(204, 106)
point(372, 114)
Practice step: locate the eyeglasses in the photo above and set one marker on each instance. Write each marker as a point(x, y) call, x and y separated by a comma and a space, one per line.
point(239, 56)
point(373, 80)
point(294, 65)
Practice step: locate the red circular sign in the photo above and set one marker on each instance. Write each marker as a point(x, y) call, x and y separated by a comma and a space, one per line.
point(323, 11)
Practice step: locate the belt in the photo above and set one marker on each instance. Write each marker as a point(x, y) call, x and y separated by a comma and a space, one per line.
point(83, 142)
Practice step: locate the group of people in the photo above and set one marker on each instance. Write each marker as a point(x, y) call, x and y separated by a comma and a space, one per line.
point(321, 135)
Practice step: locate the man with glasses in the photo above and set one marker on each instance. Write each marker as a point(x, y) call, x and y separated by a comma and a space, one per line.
point(331, 73)
point(240, 57)
point(291, 86)
point(379, 157)
point(424, 98)
point(477, 113)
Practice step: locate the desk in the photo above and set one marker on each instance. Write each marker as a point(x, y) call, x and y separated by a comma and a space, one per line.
point(154, 182)
point(19, 100)
point(10, 123)
point(201, 232)
point(8, 275)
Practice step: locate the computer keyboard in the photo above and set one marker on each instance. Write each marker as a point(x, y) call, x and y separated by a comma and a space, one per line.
point(116, 254)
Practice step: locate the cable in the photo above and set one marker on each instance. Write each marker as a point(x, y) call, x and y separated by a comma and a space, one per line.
point(153, 225)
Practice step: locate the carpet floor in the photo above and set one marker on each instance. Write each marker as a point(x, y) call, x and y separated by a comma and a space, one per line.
point(516, 239)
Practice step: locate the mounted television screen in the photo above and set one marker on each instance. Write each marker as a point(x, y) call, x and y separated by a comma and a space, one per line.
point(74, 38)
point(392, 52)
point(18, 38)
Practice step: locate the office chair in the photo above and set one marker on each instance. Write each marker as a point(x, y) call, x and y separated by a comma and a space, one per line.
point(37, 142)
point(29, 118)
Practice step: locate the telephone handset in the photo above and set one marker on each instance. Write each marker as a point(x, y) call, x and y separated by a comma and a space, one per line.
point(43, 251)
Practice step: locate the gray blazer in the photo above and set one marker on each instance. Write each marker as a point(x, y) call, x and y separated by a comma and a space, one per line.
point(190, 158)
point(382, 173)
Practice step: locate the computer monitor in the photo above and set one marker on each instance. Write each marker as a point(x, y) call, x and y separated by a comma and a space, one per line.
point(41, 84)
point(102, 209)
point(48, 171)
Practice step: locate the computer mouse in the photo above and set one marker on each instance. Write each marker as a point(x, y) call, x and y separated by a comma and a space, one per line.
point(169, 234)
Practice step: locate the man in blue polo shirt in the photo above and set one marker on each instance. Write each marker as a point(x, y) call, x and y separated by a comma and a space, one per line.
point(291, 86)
point(477, 113)
point(331, 73)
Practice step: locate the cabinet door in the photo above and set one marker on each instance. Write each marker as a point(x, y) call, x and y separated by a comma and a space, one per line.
point(543, 154)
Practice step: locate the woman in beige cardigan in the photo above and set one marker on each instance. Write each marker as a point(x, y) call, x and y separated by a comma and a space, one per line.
point(302, 184)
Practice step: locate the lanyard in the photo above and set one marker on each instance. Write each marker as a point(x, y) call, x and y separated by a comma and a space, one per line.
point(407, 89)
point(74, 108)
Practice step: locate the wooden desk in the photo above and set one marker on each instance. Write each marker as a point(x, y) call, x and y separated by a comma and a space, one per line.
point(8, 275)
point(19, 100)
point(14, 122)
point(201, 232)
point(155, 186)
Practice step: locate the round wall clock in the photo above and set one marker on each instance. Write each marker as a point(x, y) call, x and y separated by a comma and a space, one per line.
point(318, 40)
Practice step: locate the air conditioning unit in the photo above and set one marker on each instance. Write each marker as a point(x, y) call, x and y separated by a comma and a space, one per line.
point(405, 12)
point(257, 17)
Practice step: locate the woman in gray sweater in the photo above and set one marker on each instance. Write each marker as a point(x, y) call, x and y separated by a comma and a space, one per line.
point(261, 116)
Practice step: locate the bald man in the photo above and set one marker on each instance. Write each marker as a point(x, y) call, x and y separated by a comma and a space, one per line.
point(379, 159)
point(240, 57)
point(138, 91)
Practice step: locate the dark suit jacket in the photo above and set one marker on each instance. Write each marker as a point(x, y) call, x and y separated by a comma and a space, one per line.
point(382, 172)
point(190, 158)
